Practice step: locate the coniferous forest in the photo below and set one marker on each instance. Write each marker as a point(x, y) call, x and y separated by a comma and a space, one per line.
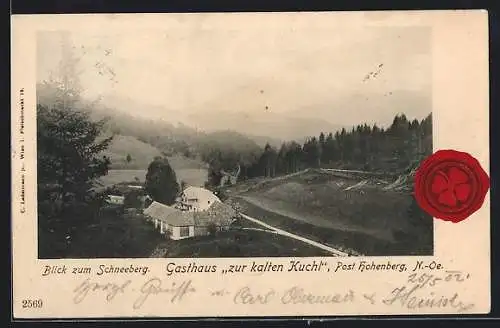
point(392, 150)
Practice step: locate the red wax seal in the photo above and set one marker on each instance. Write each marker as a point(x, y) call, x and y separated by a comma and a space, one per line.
point(450, 185)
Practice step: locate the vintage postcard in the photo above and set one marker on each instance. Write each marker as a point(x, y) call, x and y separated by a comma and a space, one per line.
point(250, 164)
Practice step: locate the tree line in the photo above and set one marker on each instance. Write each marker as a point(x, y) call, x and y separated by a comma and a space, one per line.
point(363, 147)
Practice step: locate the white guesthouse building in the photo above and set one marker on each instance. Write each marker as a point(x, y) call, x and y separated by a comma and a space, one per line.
point(196, 210)
point(195, 199)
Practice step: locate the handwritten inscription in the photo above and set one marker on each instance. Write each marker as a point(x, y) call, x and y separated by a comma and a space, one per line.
point(152, 287)
point(298, 295)
point(155, 286)
point(246, 296)
point(109, 289)
point(417, 294)
point(293, 295)
point(437, 289)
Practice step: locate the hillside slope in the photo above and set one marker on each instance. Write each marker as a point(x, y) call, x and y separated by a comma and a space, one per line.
point(141, 155)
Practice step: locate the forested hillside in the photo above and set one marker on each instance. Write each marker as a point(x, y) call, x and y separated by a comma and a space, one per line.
point(148, 137)
point(371, 148)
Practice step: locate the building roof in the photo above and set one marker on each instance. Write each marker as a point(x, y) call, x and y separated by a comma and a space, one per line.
point(200, 194)
point(169, 214)
point(219, 213)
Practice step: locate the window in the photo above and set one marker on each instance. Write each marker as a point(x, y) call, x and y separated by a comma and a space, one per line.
point(184, 231)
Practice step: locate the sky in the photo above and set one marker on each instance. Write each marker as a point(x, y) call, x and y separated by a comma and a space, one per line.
point(280, 68)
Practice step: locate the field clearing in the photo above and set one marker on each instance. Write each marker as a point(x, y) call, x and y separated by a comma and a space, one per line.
point(117, 176)
point(193, 177)
point(141, 153)
point(341, 212)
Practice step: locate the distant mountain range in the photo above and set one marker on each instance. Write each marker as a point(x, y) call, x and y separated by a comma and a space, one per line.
point(266, 125)
point(263, 127)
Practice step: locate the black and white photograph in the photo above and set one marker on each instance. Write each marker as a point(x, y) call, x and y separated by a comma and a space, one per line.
point(209, 140)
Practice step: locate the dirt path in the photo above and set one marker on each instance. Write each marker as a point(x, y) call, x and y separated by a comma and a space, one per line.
point(347, 171)
point(333, 251)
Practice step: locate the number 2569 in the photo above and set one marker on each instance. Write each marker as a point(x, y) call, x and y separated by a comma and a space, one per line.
point(34, 304)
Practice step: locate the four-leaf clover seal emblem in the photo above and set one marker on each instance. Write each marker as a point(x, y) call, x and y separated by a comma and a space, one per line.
point(450, 185)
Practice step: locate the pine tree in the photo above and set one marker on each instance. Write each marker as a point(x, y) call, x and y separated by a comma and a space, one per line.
point(267, 161)
point(69, 158)
point(311, 151)
point(330, 152)
point(321, 148)
point(282, 166)
point(161, 181)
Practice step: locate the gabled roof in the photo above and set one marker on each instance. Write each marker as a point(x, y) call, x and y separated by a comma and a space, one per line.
point(200, 193)
point(169, 214)
point(158, 209)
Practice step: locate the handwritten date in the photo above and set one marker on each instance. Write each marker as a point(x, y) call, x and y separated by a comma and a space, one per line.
point(431, 280)
point(420, 293)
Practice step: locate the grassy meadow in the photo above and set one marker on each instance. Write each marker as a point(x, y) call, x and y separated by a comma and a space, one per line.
point(193, 177)
point(341, 212)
